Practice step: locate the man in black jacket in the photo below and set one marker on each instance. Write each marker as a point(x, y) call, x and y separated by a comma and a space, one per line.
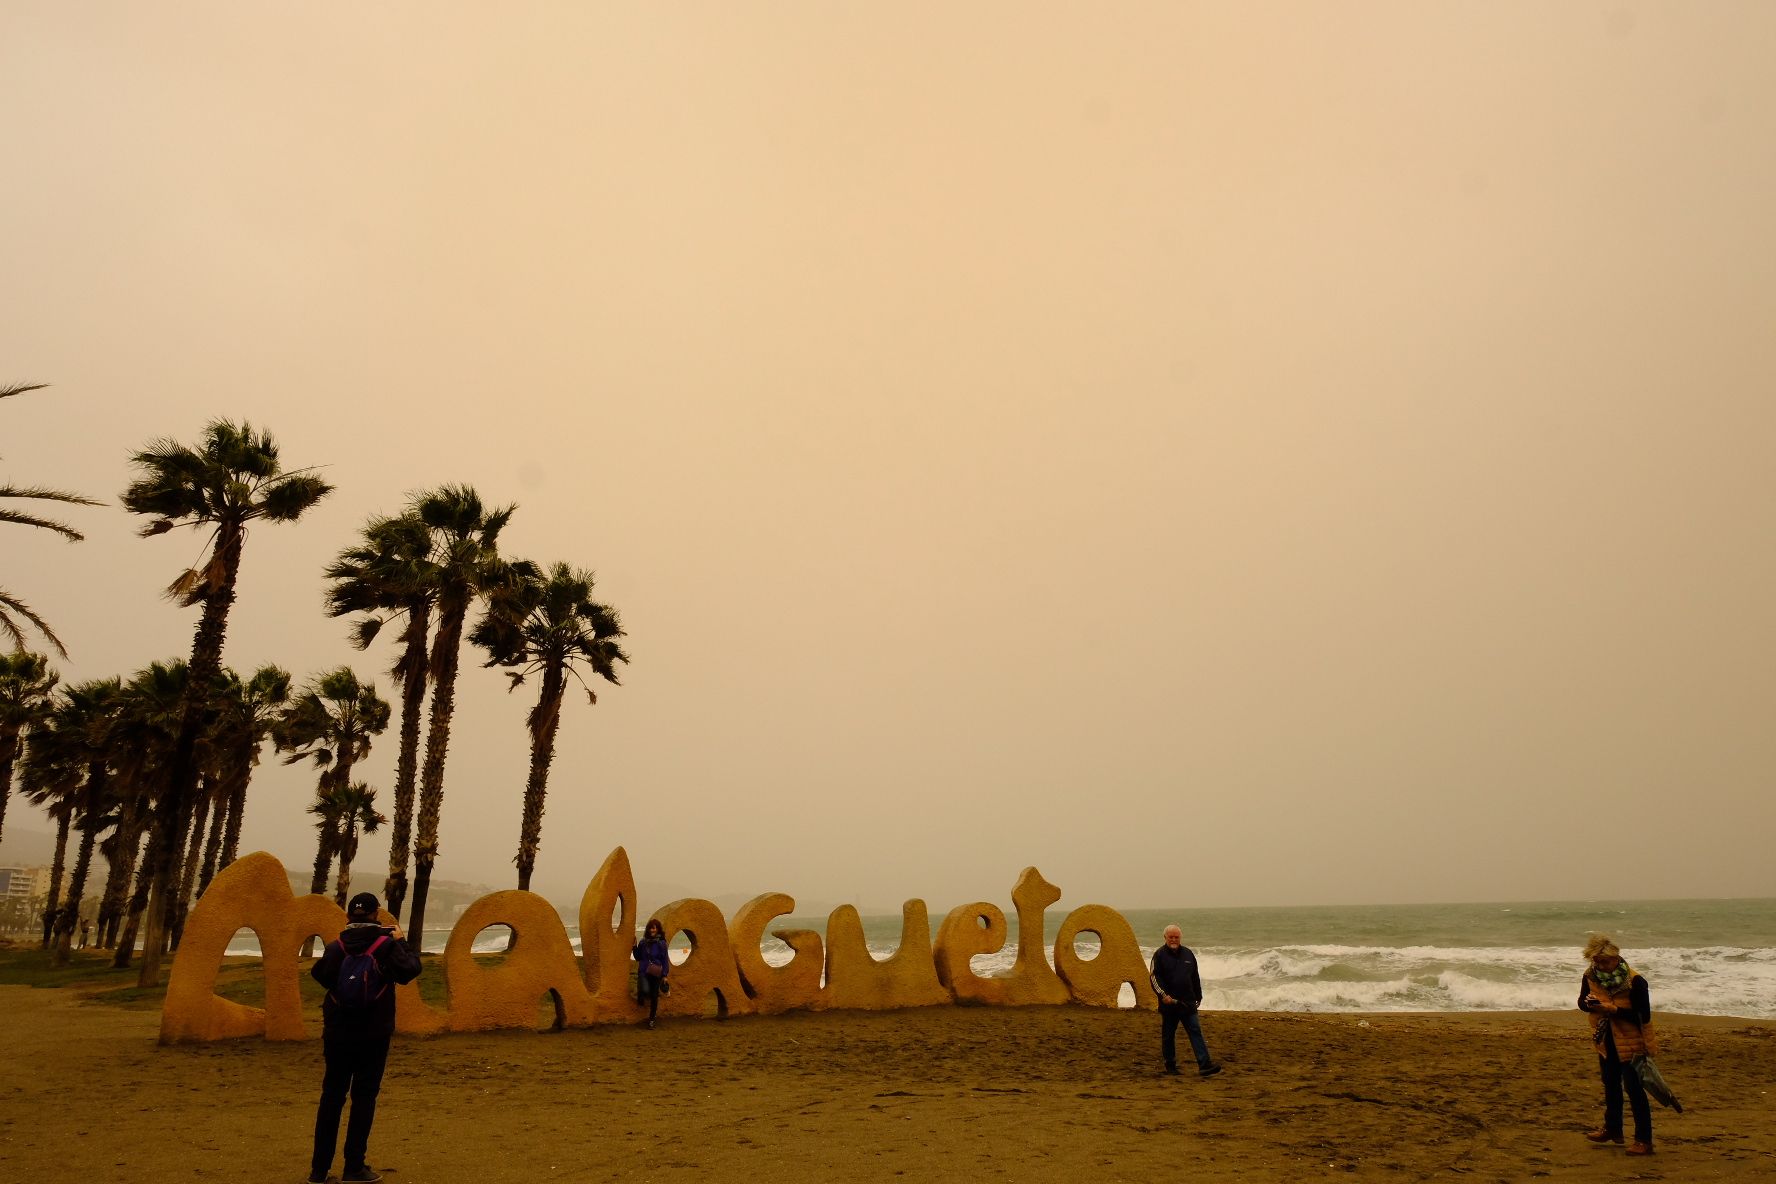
point(1180, 991)
point(357, 1025)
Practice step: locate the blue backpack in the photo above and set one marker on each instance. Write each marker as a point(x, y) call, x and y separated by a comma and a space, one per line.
point(361, 981)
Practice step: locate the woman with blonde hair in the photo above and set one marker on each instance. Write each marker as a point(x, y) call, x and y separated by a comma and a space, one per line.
point(1616, 999)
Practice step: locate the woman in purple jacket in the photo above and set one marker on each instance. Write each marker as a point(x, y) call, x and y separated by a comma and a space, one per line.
point(651, 967)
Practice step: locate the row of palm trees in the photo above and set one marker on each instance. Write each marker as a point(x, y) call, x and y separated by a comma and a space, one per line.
point(424, 570)
point(97, 756)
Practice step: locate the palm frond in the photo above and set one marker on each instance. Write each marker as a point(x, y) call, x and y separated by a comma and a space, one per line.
point(45, 494)
point(291, 497)
point(240, 448)
point(172, 483)
point(364, 631)
point(10, 604)
point(185, 586)
point(7, 392)
point(61, 528)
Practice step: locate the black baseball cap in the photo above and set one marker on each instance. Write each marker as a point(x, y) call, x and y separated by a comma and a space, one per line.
point(364, 907)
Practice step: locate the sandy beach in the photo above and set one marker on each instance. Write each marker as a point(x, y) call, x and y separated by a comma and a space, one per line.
point(1041, 1093)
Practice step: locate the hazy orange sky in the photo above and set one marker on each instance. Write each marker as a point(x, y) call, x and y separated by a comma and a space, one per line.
point(1220, 454)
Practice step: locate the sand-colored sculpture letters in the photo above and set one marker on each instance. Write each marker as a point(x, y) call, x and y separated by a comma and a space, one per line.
point(774, 989)
point(251, 893)
point(710, 967)
point(606, 939)
point(906, 978)
point(724, 972)
point(1098, 981)
point(1031, 979)
point(967, 930)
point(540, 961)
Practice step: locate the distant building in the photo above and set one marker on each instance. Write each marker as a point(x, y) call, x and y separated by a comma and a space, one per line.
point(24, 882)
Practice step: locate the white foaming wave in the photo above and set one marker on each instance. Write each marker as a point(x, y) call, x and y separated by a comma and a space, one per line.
point(1716, 980)
point(1466, 993)
point(1401, 994)
point(1286, 962)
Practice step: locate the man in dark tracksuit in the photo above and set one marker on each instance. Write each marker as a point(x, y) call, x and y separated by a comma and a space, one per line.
point(355, 1039)
point(1179, 987)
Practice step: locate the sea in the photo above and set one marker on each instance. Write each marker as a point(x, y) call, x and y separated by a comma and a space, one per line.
point(1701, 957)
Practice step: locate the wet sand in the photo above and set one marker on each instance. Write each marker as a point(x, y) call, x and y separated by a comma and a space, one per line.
point(1041, 1094)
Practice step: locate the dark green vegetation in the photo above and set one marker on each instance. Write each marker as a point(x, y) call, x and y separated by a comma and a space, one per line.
point(90, 975)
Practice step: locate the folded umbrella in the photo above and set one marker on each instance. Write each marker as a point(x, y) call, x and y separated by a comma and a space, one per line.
point(1654, 1081)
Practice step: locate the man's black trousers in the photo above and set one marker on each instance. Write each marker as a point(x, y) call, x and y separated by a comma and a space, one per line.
point(355, 1061)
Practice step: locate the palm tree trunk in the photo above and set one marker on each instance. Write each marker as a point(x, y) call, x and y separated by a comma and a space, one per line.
point(126, 853)
point(91, 821)
point(323, 859)
point(545, 723)
point(413, 685)
point(237, 808)
point(201, 671)
point(188, 874)
point(9, 749)
point(431, 789)
point(55, 877)
point(348, 850)
point(213, 842)
point(68, 918)
point(138, 904)
point(131, 917)
point(323, 863)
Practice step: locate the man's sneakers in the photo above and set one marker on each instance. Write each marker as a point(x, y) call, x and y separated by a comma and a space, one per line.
point(362, 1174)
point(1212, 1068)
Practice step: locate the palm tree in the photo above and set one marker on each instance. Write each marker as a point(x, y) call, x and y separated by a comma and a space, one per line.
point(551, 627)
point(69, 758)
point(391, 575)
point(245, 715)
point(232, 478)
point(60, 808)
point(206, 802)
point(341, 812)
point(465, 553)
point(25, 683)
point(331, 725)
point(143, 737)
point(11, 607)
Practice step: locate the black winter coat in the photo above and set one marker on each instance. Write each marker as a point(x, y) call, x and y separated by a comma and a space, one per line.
point(1175, 974)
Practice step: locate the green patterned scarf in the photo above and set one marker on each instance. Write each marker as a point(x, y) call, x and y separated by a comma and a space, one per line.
point(1612, 979)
